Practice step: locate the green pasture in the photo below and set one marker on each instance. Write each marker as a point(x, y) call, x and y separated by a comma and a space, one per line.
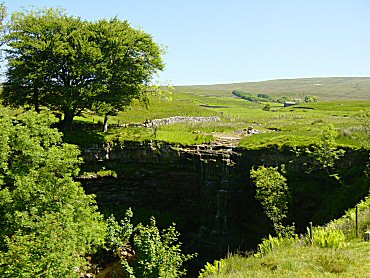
point(294, 125)
point(341, 102)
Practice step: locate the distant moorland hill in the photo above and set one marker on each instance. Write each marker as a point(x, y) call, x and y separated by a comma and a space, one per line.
point(329, 88)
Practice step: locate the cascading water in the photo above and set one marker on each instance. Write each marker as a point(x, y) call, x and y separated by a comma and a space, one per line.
point(221, 215)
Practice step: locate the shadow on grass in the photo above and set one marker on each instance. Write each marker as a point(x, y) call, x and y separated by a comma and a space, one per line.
point(83, 134)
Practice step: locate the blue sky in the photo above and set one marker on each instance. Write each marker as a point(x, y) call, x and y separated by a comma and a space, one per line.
point(226, 41)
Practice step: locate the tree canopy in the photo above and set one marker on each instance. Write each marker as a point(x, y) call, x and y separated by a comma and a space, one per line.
point(68, 64)
point(47, 223)
point(49, 226)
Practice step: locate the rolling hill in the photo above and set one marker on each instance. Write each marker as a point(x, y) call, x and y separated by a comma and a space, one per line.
point(327, 89)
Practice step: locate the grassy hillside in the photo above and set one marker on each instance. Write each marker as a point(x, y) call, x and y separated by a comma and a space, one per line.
point(327, 89)
point(279, 125)
point(300, 261)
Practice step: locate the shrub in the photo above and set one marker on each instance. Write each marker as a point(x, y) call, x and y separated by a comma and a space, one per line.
point(210, 269)
point(158, 254)
point(118, 234)
point(325, 153)
point(270, 243)
point(327, 237)
point(266, 107)
point(273, 193)
point(310, 98)
point(283, 99)
point(143, 250)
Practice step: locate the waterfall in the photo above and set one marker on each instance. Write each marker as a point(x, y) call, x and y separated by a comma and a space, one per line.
point(221, 214)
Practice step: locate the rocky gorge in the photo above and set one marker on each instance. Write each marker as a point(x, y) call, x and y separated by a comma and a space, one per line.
point(207, 191)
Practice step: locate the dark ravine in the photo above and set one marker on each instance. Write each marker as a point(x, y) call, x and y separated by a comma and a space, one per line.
point(207, 191)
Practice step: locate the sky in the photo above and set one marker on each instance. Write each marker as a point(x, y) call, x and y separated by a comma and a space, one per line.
point(229, 41)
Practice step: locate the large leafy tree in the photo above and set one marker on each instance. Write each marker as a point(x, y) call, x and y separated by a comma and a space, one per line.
point(129, 59)
point(69, 64)
point(37, 41)
point(47, 222)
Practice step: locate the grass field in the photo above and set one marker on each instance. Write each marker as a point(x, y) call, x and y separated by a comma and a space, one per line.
point(300, 261)
point(298, 124)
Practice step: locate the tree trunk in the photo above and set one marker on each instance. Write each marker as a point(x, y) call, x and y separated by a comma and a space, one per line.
point(36, 102)
point(68, 119)
point(37, 108)
point(105, 127)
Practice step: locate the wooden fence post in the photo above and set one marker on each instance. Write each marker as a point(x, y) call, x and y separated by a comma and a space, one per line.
point(311, 233)
point(356, 220)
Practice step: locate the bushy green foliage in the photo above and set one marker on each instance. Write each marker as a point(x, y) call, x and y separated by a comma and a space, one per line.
point(48, 224)
point(212, 268)
point(46, 219)
point(273, 193)
point(271, 243)
point(310, 98)
point(47, 247)
point(154, 253)
point(159, 254)
point(118, 234)
point(283, 99)
point(263, 96)
point(249, 96)
point(327, 237)
point(266, 107)
point(325, 153)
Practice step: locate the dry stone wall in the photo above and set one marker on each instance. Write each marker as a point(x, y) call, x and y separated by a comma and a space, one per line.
point(170, 121)
point(182, 119)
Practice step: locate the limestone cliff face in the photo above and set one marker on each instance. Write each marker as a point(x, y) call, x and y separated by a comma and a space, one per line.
point(197, 186)
point(207, 190)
